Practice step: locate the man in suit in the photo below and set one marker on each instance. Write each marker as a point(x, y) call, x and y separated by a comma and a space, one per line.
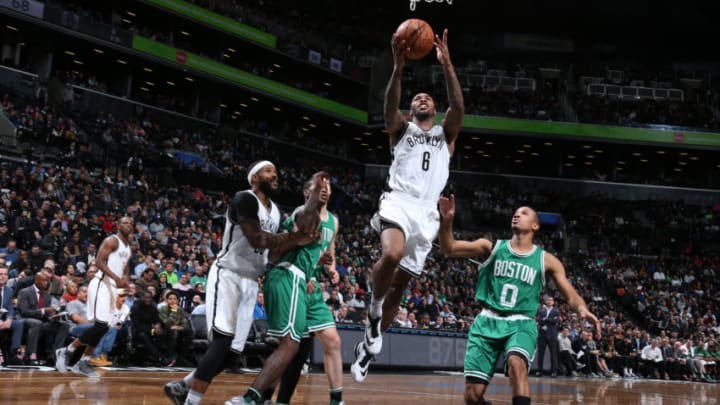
point(8, 323)
point(548, 319)
point(34, 304)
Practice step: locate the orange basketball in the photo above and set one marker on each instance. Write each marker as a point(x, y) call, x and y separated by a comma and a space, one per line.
point(418, 36)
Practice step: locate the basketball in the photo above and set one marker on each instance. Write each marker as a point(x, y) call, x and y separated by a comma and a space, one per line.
point(418, 36)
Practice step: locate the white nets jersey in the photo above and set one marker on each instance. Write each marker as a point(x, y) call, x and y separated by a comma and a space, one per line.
point(237, 254)
point(116, 261)
point(421, 163)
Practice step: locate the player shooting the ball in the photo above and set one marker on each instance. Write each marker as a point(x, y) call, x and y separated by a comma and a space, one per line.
point(408, 219)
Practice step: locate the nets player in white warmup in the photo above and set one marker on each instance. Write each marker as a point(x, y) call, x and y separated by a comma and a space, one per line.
point(250, 225)
point(112, 260)
point(408, 219)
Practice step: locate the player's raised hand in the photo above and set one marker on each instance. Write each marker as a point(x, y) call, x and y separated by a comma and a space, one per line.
point(447, 206)
point(441, 48)
point(399, 47)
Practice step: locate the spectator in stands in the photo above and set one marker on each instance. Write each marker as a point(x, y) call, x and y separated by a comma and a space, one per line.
point(548, 320)
point(567, 356)
point(34, 305)
point(259, 312)
point(8, 323)
point(401, 319)
point(176, 326)
point(148, 328)
point(652, 359)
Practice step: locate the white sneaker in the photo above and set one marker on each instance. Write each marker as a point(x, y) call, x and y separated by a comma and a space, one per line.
point(83, 367)
point(359, 367)
point(60, 359)
point(239, 400)
point(373, 336)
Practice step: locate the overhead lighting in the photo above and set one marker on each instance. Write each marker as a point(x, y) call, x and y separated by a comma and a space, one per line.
point(548, 143)
point(590, 156)
point(637, 154)
point(185, 33)
point(71, 53)
point(644, 160)
point(150, 83)
point(144, 89)
point(306, 118)
point(313, 125)
point(190, 79)
point(22, 44)
point(357, 138)
point(586, 146)
point(226, 55)
point(527, 146)
point(571, 156)
point(237, 112)
point(327, 84)
point(367, 133)
point(125, 20)
point(364, 144)
point(305, 129)
point(660, 152)
point(122, 62)
point(521, 151)
point(621, 162)
point(234, 117)
point(568, 164)
point(468, 147)
point(277, 109)
point(475, 138)
point(598, 151)
point(243, 105)
point(130, 13)
point(232, 50)
point(487, 156)
point(147, 69)
point(277, 65)
point(100, 51)
point(337, 124)
point(683, 153)
point(677, 169)
point(10, 27)
point(694, 158)
point(588, 163)
point(488, 142)
point(535, 154)
point(254, 99)
point(169, 82)
point(682, 163)
point(379, 147)
point(78, 62)
point(223, 105)
point(619, 169)
point(518, 160)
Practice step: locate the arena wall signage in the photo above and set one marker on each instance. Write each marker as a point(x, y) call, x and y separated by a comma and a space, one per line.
point(218, 21)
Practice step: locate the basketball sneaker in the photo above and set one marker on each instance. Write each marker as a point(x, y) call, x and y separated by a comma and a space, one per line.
point(176, 391)
point(83, 367)
point(373, 336)
point(239, 400)
point(60, 359)
point(359, 367)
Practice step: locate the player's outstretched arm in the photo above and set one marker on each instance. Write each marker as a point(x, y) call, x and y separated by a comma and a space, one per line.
point(576, 302)
point(456, 103)
point(449, 246)
point(394, 120)
point(243, 211)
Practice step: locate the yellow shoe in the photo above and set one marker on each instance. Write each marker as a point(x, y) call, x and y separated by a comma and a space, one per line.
point(100, 361)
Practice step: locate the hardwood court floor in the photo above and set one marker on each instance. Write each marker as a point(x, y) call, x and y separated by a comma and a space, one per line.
point(31, 387)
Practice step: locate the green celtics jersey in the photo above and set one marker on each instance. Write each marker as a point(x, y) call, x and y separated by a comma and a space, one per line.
point(511, 283)
point(306, 257)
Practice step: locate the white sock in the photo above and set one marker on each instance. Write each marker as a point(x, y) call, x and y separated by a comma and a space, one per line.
point(70, 348)
point(376, 307)
point(193, 398)
point(189, 378)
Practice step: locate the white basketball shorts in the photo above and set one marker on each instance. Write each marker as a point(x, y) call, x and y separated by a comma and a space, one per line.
point(419, 220)
point(230, 304)
point(101, 300)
